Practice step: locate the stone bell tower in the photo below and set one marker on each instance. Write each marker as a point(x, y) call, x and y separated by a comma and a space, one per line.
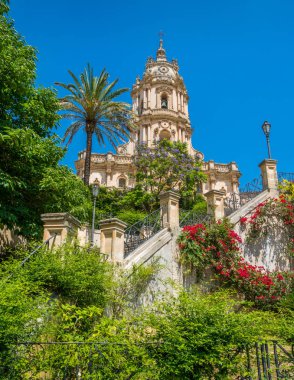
point(160, 103)
point(160, 107)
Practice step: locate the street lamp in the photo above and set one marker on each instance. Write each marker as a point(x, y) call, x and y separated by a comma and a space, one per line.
point(95, 191)
point(266, 127)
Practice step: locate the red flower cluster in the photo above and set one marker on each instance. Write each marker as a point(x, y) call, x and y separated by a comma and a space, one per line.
point(218, 247)
point(194, 231)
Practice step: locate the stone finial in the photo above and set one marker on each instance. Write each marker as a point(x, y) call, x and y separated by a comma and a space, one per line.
point(160, 54)
point(62, 225)
point(215, 203)
point(112, 238)
point(269, 174)
point(169, 203)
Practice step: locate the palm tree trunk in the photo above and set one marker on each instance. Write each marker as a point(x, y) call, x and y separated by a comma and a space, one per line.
point(87, 168)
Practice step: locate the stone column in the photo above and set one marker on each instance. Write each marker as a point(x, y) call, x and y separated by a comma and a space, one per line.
point(145, 98)
point(149, 135)
point(269, 174)
point(183, 136)
point(235, 184)
point(144, 134)
point(169, 203)
point(215, 203)
point(179, 134)
point(149, 98)
point(61, 226)
point(112, 239)
point(179, 101)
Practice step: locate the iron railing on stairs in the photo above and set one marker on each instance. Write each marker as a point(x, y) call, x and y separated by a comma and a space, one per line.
point(191, 217)
point(236, 200)
point(142, 230)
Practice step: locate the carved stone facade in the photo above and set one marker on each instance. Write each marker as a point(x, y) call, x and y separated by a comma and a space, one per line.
point(160, 104)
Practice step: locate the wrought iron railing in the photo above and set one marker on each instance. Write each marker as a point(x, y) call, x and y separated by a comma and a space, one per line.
point(143, 230)
point(287, 176)
point(268, 361)
point(236, 200)
point(190, 218)
point(255, 186)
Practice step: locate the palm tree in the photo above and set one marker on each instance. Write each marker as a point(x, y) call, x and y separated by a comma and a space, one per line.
point(92, 107)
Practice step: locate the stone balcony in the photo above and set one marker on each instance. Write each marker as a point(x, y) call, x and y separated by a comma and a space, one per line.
point(220, 168)
point(164, 112)
point(101, 158)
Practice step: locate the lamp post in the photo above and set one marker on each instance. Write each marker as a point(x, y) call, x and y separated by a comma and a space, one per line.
point(266, 127)
point(95, 191)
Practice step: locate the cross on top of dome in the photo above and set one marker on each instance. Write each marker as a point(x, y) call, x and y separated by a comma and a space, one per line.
point(160, 55)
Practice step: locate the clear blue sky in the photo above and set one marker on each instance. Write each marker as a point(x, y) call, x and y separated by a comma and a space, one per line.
point(236, 57)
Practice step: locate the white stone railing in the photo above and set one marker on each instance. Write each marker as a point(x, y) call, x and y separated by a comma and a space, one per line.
point(100, 158)
point(123, 159)
point(165, 111)
point(221, 168)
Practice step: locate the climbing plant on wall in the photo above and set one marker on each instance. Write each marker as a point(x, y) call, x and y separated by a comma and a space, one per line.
point(273, 213)
point(217, 247)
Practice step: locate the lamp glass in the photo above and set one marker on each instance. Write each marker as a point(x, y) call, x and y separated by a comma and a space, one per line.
point(95, 189)
point(266, 128)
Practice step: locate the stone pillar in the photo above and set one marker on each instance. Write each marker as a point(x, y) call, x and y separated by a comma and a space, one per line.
point(215, 203)
point(112, 239)
point(149, 135)
point(145, 98)
point(184, 136)
point(149, 98)
point(144, 140)
point(62, 225)
point(158, 105)
point(235, 184)
point(269, 174)
point(169, 203)
point(179, 134)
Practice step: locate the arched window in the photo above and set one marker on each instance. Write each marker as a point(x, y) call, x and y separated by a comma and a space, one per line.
point(122, 182)
point(164, 103)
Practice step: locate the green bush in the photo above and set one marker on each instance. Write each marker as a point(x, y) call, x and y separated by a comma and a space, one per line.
point(131, 216)
point(200, 335)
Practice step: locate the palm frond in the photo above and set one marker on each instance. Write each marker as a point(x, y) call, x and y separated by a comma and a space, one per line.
point(91, 104)
point(72, 130)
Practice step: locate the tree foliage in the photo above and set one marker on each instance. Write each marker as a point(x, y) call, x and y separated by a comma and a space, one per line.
point(31, 182)
point(168, 166)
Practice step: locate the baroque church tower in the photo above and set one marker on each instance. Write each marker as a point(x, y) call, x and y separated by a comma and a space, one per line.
point(160, 105)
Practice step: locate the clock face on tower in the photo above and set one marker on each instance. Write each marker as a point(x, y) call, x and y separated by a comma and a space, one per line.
point(163, 69)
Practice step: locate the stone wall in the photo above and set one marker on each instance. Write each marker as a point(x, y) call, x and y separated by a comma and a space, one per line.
point(9, 238)
point(270, 250)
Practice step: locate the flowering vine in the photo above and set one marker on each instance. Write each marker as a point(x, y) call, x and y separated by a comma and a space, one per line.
point(271, 213)
point(217, 246)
